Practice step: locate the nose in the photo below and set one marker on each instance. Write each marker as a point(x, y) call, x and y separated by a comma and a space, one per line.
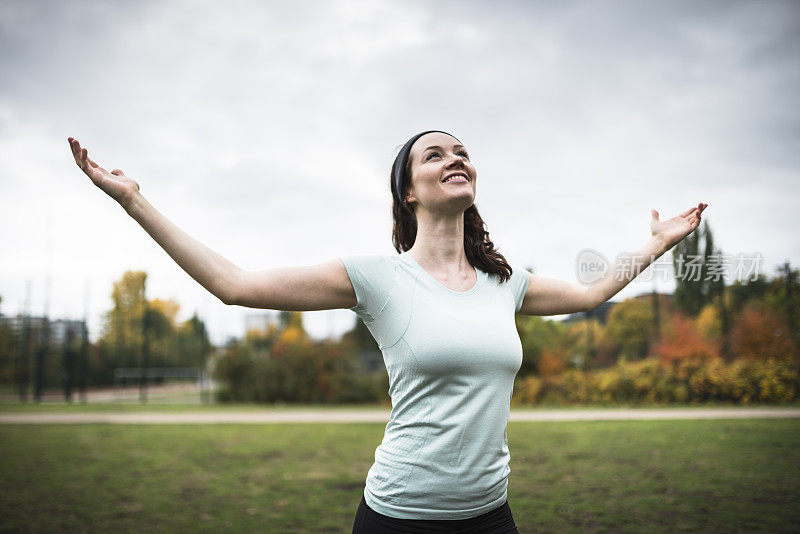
point(455, 159)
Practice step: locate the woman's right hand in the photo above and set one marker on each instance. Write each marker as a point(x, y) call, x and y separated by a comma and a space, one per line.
point(115, 184)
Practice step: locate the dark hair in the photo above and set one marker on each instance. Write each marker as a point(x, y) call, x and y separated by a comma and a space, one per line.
point(478, 247)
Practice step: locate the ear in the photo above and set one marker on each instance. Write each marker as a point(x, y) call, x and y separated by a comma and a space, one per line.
point(410, 196)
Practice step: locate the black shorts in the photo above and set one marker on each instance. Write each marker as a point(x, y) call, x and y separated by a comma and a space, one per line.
point(497, 521)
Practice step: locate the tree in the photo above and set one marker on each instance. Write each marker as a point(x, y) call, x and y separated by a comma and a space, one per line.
point(785, 296)
point(291, 333)
point(193, 343)
point(7, 352)
point(359, 338)
point(123, 328)
point(741, 292)
point(708, 322)
point(168, 309)
point(629, 327)
point(580, 340)
point(695, 272)
point(537, 334)
point(682, 340)
point(550, 364)
point(715, 290)
point(160, 332)
point(760, 334)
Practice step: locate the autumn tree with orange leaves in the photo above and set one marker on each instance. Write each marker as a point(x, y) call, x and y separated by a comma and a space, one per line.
point(759, 333)
point(681, 339)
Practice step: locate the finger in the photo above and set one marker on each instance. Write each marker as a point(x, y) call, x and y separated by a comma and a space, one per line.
point(76, 151)
point(82, 159)
point(87, 164)
point(92, 163)
point(85, 159)
point(75, 146)
point(687, 212)
point(117, 172)
point(654, 213)
point(96, 166)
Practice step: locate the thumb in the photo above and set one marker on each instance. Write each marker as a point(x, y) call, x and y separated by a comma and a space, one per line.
point(117, 172)
point(655, 214)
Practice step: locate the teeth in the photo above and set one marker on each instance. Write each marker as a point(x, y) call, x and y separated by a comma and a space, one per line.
point(456, 176)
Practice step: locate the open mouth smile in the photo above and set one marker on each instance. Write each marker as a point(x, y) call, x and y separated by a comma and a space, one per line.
point(457, 177)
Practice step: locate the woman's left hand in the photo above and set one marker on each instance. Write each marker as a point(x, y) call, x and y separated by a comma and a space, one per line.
point(675, 229)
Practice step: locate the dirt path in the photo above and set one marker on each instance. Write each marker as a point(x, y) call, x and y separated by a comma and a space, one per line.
point(382, 416)
point(160, 392)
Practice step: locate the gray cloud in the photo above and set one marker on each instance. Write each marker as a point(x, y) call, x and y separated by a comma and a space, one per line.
point(266, 130)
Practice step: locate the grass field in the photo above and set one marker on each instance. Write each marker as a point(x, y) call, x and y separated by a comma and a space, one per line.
point(158, 406)
point(602, 476)
point(134, 407)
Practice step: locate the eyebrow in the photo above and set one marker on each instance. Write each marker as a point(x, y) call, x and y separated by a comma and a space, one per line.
point(440, 148)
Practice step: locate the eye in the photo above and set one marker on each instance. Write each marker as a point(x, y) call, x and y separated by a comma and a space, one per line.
point(462, 152)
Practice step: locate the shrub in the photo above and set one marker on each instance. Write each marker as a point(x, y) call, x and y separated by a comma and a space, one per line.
point(650, 381)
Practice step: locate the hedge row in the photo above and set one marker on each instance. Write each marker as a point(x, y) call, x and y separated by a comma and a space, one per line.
point(652, 382)
point(305, 377)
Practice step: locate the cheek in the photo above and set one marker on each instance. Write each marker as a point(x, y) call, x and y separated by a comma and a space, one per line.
point(430, 178)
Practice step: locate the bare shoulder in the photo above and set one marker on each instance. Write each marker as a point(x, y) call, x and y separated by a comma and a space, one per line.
point(324, 286)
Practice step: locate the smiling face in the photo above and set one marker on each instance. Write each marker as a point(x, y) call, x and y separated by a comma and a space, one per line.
point(442, 176)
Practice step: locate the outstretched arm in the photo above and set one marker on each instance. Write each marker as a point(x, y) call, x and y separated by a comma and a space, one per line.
point(212, 271)
point(549, 296)
point(208, 268)
point(315, 287)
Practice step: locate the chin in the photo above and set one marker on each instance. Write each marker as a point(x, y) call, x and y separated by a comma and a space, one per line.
point(460, 203)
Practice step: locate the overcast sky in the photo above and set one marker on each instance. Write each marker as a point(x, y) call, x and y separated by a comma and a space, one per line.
point(267, 130)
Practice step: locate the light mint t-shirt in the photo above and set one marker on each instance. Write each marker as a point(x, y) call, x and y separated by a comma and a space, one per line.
point(451, 358)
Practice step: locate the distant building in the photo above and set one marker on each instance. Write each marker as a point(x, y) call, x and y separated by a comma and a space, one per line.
point(260, 321)
point(58, 328)
point(600, 313)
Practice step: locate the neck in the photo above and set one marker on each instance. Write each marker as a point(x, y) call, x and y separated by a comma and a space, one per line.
point(439, 243)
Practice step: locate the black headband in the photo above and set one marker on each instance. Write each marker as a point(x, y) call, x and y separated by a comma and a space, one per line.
point(399, 167)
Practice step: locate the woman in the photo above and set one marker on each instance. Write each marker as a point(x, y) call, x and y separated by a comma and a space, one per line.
point(442, 312)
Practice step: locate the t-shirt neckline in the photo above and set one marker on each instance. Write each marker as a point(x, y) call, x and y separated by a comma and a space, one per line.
point(479, 274)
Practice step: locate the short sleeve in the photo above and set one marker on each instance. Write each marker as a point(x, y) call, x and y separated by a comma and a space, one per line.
point(372, 276)
point(520, 279)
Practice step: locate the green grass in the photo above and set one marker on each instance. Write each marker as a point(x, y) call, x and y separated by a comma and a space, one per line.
point(600, 476)
point(656, 476)
point(157, 405)
point(76, 407)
